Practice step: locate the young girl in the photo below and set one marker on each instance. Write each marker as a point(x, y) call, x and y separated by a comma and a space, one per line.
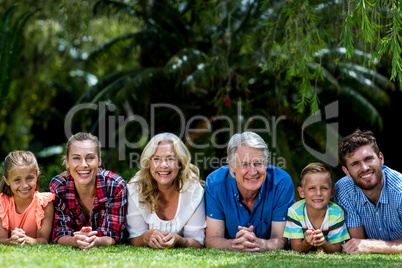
point(26, 216)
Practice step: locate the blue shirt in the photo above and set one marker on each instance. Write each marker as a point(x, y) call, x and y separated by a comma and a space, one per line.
point(223, 201)
point(382, 221)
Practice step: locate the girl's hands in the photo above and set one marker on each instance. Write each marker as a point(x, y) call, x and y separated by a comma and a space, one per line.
point(17, 237)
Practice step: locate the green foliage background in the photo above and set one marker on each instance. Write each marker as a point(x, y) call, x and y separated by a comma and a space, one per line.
point(236, 64)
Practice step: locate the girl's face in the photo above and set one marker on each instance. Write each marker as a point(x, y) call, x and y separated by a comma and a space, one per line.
point(83, 162)
point(23, 181)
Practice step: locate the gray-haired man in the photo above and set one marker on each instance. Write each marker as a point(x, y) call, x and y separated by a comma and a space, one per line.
point(247, 201)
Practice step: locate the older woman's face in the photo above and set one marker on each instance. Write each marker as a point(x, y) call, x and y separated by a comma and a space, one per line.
point(164, 166)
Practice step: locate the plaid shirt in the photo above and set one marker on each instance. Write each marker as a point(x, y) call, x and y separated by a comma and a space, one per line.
point(382, 221)
point(108, 212)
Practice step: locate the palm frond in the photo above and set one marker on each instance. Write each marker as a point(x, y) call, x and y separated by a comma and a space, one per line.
point(376, 77)
point(114, 47)
point(338, 52)
point(107, 85)
point(114, 8)
point(10, 44)
point(327, 75)
point(184, 62)
point(139, 86)
point(363, 84)
point(362, 107)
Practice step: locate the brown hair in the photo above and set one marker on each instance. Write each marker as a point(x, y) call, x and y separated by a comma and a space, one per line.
point(80, 136)
point(349, 144)
point(315, 168)
point(12, 160)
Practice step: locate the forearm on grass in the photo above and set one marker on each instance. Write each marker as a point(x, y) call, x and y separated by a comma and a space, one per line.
point(188, 243)
point(300, 245)
point(40, 240)
point(331, 248)
point(5, 241)
point(142, 240)
point(104, 241)
point(218, 242)
point(273, 243)
point(384, 247)
point(67, 240)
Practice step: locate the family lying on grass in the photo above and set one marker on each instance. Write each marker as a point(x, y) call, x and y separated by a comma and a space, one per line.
point(247, 205)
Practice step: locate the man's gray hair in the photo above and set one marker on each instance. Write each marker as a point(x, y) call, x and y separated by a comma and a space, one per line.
point(248, 139)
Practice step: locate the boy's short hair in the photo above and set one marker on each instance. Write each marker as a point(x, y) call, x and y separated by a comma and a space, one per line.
point(315, 168)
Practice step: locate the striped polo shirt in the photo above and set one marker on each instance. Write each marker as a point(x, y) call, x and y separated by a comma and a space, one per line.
point(333, 226)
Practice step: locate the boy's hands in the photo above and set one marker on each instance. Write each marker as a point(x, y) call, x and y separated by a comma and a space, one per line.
point(319, 238)
point(314, 237)
point(309, 236)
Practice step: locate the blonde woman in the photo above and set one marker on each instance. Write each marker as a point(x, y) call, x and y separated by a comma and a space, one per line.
point(165, 203)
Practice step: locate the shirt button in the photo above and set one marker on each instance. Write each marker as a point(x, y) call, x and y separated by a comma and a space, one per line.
point(376, 213)
point(380, 229)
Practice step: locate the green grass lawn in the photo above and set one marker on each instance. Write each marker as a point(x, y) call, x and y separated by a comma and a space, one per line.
point(127, 256)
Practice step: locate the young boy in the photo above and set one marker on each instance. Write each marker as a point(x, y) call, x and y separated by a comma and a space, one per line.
point(315, 221)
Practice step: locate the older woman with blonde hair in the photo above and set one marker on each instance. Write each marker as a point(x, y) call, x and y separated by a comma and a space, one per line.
point(165, 203)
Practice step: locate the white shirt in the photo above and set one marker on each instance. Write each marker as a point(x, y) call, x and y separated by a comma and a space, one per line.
point(188, 222)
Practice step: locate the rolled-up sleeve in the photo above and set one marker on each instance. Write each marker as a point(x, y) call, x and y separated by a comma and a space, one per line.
point(62, 224)
point(195, 227)
point(114, 218)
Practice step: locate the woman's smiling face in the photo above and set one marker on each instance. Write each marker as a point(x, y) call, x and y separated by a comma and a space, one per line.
point(83, 161)
point(164, 165)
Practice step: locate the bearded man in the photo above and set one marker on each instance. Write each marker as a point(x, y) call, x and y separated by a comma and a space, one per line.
point(370, 195)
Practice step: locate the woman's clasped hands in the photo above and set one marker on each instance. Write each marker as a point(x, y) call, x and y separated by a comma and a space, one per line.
point(85, 238)
point(162, 240)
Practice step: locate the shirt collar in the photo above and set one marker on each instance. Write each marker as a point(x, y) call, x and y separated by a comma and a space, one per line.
point(236, 193)
point(100, 191)
point(384, 192)
point(70, 192)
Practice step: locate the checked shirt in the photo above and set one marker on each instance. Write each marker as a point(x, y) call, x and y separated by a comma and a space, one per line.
point(382, 221)
point(108, 213)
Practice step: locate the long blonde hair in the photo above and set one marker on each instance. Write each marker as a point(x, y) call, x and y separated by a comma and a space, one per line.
point(148, 187)
point(15, 159)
